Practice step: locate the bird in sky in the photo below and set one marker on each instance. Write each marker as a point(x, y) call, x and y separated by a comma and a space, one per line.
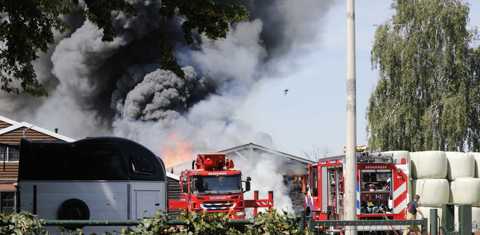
point(285, 92)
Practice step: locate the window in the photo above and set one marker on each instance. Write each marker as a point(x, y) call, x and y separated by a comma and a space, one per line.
point(7, 202)
point(141, 165)
point(314, 182)
point(217, 184)
point(184, 185)
point(376, 180)
point(9, 153)
point(97, 162)
point(376, 190)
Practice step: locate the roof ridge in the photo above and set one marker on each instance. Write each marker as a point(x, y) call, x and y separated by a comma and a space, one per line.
point(8, 120)
point(36, 128)
point(271, 150)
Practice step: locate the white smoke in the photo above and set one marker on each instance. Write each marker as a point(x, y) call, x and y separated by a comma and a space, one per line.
point(236, 57)
point(75, 62)
point(267, 175)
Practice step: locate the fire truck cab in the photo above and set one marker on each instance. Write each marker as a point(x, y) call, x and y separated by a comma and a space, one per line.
point(214, 186)
point(382, 190)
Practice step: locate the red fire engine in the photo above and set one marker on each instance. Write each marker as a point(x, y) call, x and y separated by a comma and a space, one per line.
point(382, 187)
point(214, 186)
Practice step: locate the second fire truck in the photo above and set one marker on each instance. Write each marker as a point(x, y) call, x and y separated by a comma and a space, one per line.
point(382, 187)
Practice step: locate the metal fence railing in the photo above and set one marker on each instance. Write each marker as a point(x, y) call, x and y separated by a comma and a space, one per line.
point(369, 225)
point(304, 223)
point(126, 223)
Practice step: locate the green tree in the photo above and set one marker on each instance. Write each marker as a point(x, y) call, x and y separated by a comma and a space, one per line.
point(427, 96)
point(27, 27)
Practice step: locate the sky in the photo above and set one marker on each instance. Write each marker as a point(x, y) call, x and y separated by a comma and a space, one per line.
point(311, 117)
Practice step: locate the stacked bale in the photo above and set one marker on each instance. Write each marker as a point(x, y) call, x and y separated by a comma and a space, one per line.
point(476, 158)
point(447, 177)
point(429, 172)
point(433, 192)
point(473, 191)
point(429, 165)
point(465, 191)
point(460, 165)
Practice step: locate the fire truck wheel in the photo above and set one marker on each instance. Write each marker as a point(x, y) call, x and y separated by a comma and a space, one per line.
point(73, 209)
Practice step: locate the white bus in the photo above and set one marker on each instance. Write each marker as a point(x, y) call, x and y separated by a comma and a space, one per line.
point(103, 178)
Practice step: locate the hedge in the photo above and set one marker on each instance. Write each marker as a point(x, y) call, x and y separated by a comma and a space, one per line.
point(272, 222)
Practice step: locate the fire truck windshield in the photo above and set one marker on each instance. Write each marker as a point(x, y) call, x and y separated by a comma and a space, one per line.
point(217, 184)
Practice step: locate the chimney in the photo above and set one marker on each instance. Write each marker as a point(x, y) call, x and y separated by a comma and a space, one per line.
point(56, 130)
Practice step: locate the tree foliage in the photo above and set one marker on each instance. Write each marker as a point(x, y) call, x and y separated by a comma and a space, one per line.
point(27, 27)
point(428, 93)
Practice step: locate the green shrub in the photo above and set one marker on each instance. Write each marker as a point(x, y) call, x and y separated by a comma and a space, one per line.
point(21, 224)
point(271, 222)
point(274, 222)
point(205, 224)
point(156, 225)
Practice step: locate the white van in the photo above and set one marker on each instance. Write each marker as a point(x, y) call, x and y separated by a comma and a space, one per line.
point(102, 178)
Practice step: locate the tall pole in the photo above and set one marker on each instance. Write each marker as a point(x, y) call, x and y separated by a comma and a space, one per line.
point(350, 159)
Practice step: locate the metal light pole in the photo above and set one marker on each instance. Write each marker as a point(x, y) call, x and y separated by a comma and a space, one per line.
point(350, 159)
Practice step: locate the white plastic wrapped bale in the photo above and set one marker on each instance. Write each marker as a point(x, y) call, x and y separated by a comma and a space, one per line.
point(433, 192)
point(429, 165)
point(466, 191)
point(426, 213)
point(476, 158)
point(460, 165)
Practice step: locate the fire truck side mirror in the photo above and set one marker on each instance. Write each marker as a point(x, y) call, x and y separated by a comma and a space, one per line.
point(247, 184)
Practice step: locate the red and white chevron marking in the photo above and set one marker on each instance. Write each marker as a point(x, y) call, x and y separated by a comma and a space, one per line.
point(400, 199)
point(400, 191)
point(263, 204)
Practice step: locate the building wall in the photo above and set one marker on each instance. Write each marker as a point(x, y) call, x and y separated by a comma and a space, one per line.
point(9, 169)
point(14, 137)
